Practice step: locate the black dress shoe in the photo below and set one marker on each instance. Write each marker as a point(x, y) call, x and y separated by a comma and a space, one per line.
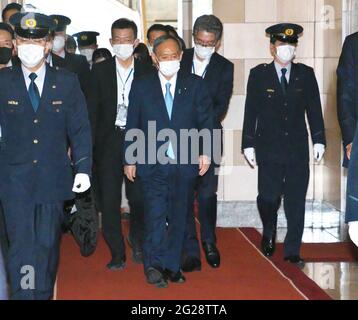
point(268, 246)
point(191, 264)
point(176, 277)
point(137, 254)
point(212, 254)
point(117, 264)
point(156, 277)
point(297, 260)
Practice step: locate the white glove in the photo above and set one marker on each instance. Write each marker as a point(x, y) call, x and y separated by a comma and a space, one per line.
point(250, 156)
point(318, 151)
point(353, 231)
point(82, 183)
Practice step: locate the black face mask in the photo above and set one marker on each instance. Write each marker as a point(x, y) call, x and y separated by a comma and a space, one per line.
point(5, 55)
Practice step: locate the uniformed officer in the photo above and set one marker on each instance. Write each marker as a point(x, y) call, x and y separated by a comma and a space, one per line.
point(279, 96)
point(87, 44)
point(42, 110)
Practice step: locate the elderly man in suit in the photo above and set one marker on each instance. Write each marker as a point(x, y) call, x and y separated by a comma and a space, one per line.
point(176, 102)
point(43, 110)
point(347, 110)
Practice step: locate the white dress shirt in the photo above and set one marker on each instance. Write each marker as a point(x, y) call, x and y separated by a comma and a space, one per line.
point(39, 81)
point(199, 67)
point(124, 83)
point(279, 71)
point(172, 81)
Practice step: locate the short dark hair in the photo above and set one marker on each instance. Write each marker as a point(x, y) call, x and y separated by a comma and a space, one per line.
point(209, 23)
point(101, 53)
point(157, 27)
point(124, 23)
point(11, 6)
point(163, 39)
point(71, 42)
point(5, 27)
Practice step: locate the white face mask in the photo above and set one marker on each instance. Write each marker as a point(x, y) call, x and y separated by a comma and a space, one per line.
point(58, 43)
point(88, 53)
point(169, 68)
point(204, 52)
point(285, 53)
point(30, 54)
point(123, 51)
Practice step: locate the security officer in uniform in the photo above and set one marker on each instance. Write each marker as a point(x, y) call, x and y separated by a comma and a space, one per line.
point(87, 44)
point(43, 109)
point(279, 96)
point(59, 57)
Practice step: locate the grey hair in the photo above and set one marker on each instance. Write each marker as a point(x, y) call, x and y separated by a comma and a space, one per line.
point(209, 23)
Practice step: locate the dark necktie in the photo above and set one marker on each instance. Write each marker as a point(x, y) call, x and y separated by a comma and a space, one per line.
point(284, 83)
point(34, 92)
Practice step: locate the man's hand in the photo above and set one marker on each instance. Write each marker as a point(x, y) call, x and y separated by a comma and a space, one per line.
point(82, 183)
point(318, 151)
point(130, 172)
point(249, 154)
point(204, 164)
point(349, 151)
point(353, 232)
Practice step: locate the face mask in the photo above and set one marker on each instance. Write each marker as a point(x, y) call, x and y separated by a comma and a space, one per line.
point(204, 52)
point(58, 43)
point(123, 51)
point(5, 55)
point(169, 68)
point(88, 53)
point(285, 53)
point(31, 54)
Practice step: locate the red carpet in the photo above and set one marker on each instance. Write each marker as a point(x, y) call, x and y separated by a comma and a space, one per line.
point(244, 274)
point(313, 252)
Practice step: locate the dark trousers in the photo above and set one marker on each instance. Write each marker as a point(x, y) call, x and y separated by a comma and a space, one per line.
point(206, 190)
point(4, 241)
point(34, 232)
point(291, 182)
point(111, 175)
point(167, 195)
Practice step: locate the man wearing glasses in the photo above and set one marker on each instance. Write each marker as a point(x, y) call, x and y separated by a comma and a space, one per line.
point(43, 110)
point(218, 73)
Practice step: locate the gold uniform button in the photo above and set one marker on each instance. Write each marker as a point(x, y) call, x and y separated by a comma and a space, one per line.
point(35, 161)
point(36, 141)
point(36, 121)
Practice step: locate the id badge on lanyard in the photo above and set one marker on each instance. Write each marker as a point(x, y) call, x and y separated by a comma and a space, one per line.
point(122, 108)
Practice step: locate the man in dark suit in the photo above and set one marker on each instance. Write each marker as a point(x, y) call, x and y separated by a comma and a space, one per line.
point(43, 110)
point(218, 73)
point(163, 106)
point(347, 109)
point(108, 101)
point(279, 96)
point(87, 44)
point(60, 58)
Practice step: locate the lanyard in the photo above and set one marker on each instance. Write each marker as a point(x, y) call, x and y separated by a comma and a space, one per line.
point(124, 83)
point(204, 73)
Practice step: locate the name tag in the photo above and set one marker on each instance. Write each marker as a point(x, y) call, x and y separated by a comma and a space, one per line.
point(56, 103)
point(12, 102)
point(270, 90)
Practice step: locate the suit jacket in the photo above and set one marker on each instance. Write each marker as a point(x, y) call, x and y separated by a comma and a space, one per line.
point(347, 93)
point(33, 148)
point(192, 109)
point(219, 79)
point(274, 124)
point(102, 102)
point(77, 64)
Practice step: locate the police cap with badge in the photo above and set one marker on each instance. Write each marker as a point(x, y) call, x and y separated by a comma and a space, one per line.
point(285, 32)
point(61, 22)
point(86, 38)
point(32, 25)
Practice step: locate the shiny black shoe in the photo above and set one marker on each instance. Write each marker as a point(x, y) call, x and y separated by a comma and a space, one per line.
point(156, 277)
point(176, 277)
point(297, 260)
point(212, 254)
point(117, 264)
point(268, 246)
point(191, 264)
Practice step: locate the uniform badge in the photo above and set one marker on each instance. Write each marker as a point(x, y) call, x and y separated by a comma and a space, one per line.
point(270, 90)
point(13, 102)
point(56, 103)
point(289, 32)
point(30, 23)
point(84, 37)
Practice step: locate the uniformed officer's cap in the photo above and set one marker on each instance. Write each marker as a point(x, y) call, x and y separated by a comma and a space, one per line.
point(32, 25)
point(86, 38)
point(284, 32)
point(61, 22)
